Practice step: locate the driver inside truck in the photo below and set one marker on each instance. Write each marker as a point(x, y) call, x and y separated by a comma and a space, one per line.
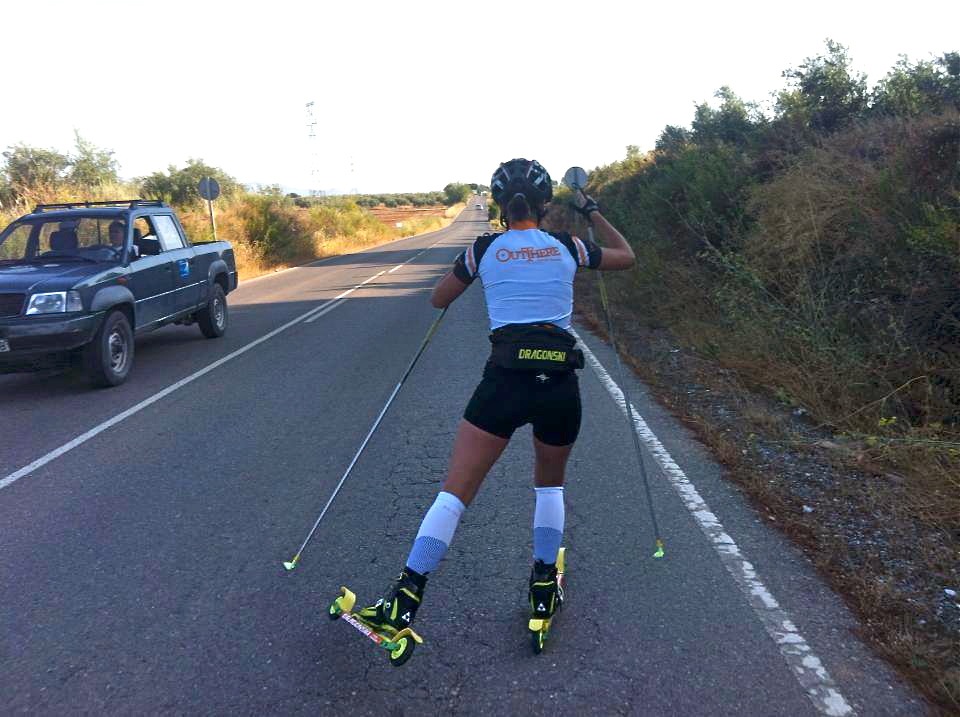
point(117, 232)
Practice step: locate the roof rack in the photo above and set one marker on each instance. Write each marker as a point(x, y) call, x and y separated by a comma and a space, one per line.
point(131, 203)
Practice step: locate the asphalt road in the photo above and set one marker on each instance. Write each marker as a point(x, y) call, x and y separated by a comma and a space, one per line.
point(140, 571)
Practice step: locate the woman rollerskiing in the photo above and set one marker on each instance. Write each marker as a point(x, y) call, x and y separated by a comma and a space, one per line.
point(527, 276)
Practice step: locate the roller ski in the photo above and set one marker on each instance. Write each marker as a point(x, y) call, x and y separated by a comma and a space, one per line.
point(386, 622)
point(546, 597)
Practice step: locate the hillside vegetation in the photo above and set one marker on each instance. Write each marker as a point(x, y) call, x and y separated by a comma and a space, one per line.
point(821, 247)
point(814, 250)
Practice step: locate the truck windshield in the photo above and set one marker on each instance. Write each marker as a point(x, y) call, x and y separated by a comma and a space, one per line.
point(85, 238)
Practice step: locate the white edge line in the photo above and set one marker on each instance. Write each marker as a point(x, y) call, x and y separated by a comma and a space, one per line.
point(805, 665)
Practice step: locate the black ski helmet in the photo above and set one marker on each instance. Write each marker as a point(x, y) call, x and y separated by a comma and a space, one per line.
point(521, 176)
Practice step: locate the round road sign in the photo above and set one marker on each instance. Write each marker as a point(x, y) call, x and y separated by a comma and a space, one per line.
point(208, 188)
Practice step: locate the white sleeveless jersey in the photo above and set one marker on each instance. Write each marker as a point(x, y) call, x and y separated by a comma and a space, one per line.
point(527, 274)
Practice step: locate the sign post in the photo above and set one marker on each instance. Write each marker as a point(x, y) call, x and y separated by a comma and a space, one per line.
point(209, 189)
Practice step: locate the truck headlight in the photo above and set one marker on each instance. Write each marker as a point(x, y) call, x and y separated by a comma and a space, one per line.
point(54, 302)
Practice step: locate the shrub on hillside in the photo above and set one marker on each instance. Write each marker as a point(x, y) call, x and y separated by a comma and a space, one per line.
point(179, 186)
point(858, 242)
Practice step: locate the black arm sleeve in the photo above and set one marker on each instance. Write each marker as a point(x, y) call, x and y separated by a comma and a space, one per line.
point(594, 253)
point(460, 269)
point(467, 264)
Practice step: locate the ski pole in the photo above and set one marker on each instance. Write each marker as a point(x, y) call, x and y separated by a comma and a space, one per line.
point(291, 564)
point(626, 398)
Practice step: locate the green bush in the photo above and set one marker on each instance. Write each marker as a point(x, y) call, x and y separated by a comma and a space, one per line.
point(179, 186)
point(456, 192)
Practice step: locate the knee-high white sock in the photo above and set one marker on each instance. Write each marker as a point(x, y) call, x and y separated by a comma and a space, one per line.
point(548, 524)
point(436, 533)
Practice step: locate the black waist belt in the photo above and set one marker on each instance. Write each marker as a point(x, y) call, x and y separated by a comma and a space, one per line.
point(534, 347)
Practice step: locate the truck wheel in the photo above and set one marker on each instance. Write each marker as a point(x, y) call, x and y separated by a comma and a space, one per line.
point(109, 357)
point(212, 318)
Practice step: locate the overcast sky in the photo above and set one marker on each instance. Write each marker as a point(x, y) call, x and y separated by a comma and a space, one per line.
point(410, 96)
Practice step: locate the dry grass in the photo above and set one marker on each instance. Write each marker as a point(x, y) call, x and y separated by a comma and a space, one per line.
point(311, 234)
point(452, 212)
point(47, 194)
point(250, 263)
point(392, 215)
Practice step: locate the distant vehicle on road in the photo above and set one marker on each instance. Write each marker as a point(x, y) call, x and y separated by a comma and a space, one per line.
point(478, 205)
point(79, 280)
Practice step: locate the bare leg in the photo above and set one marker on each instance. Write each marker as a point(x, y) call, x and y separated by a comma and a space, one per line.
point(474, 453)
point(551, 462)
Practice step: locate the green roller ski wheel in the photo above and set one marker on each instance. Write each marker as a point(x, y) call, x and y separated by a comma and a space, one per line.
point(402, 652)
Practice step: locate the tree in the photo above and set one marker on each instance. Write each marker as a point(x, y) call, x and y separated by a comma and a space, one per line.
point(826, 94)
point(924, 87)
point(90, 165)
point(29, 167)
point(456, 192)
point(673, 139)
point(732, 123)
point(179, 186)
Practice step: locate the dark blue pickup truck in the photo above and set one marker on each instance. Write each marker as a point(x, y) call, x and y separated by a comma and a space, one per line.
point(79, 280)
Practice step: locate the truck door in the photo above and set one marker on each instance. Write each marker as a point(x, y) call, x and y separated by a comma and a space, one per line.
point(186, 273)
point(151, 276)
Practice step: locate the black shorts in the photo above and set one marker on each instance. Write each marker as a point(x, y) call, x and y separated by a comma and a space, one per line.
point(506, 399)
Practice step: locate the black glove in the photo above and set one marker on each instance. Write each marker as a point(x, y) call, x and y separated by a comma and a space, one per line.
point(585, 204)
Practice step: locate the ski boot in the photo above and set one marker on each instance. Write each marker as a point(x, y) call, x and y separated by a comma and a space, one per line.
point(546, 597)
point(387, 622)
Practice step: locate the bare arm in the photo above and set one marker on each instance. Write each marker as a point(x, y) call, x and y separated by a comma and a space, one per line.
point(617, 254)
point(447, 290)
